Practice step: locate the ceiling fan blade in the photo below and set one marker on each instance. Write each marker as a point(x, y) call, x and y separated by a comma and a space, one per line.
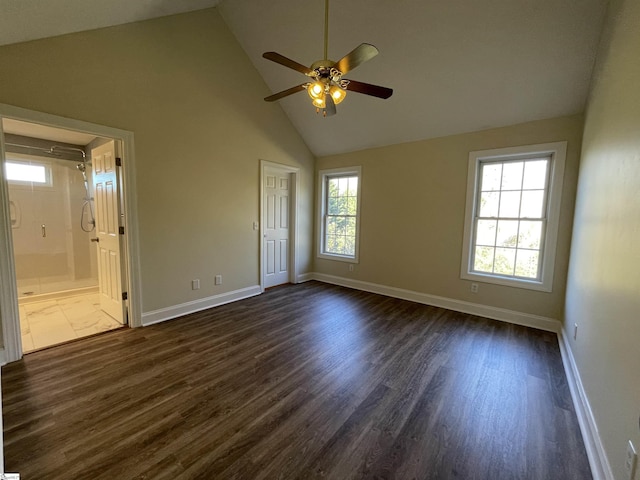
point(284, 93)
point(287, 62)
point(357, 56)
point(369, 89)
point(330, 106)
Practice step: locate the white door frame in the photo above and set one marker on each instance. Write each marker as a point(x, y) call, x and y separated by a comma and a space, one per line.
point(8, 293)
point(293, 217)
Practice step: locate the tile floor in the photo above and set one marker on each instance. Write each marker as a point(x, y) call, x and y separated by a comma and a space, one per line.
point(56, 321)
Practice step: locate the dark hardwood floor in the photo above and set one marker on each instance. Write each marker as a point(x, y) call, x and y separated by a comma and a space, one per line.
point(305, 381)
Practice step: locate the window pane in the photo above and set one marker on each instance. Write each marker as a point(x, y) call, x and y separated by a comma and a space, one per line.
point(352, 203)
point(353, 186)
point(530, 234)
point(351, 227)
point(349, 246)
point(489, 202)
point(486, 233)
point(527, 263)
point(343, 185)
point(535, 174)
point(331, 225)
point(505, 261)
point(509, 204)
point(512, 175)
point(333, 187)
point(332, 242)
point(532, 202)
point(24, 172)
point(491, 176)
point(332, 206)
point(507, 233)
point(338, 226)
point(483, 260)
point(343, 205)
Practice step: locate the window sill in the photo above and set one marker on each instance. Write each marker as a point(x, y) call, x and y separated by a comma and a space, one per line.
point(339, 258)
point(507, 281)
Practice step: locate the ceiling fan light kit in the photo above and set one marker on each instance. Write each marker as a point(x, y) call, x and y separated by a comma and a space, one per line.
point(327, 88)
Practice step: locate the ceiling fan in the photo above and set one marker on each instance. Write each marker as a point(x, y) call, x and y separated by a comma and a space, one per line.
point(326, 87)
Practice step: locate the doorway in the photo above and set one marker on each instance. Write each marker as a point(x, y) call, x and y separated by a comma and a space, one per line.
point(279, 191)
point(59, 233)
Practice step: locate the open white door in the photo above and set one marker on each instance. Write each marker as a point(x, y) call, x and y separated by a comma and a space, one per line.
point(107, 201)
point(277, 197)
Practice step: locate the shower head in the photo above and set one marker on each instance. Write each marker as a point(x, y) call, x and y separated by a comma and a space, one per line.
point(82, 167)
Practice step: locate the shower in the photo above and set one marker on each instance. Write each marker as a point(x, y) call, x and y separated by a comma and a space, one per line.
point(82, 167)
point(90, 225)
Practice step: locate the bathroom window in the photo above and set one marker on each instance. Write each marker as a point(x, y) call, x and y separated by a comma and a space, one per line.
point(24, 173)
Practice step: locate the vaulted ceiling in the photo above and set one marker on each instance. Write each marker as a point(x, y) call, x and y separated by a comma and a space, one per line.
point(455, 66)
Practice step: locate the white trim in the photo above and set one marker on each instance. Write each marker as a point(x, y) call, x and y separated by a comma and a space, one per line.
point(293, 218)
point(502, 314)
point(321, 188)
point(9, 313)
point(600, 468)
point(558, 152)
point(305, 277)
point(175, 311)
point(1, 429)
point(3, 359)
point(8, 295)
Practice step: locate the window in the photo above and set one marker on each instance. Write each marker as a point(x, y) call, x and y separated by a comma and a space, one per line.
point(339, 213)
point(27, 172)
point(513, 205)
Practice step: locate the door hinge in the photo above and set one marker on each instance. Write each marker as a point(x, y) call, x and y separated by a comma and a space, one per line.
point(121, 230)
point(125, 296)
point(118, 162)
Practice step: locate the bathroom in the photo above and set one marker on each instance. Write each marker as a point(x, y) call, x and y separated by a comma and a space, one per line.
point(49, 174)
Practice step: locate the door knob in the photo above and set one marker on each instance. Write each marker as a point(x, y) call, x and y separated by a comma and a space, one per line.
point(95, 239)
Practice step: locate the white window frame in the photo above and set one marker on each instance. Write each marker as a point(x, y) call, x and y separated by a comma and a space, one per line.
point(557, 152)
point(323, 175)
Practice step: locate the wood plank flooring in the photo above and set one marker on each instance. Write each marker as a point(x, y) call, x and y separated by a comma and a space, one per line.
point(305, 381)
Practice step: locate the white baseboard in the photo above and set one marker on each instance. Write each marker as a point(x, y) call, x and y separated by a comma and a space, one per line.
point(157, 316)
point(511, 316)
point(3, 357)
point(600, 468)
point(304, 277)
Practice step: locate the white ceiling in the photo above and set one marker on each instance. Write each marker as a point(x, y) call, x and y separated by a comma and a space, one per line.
point(455, 66)
point(23, 20)
point(45, 132)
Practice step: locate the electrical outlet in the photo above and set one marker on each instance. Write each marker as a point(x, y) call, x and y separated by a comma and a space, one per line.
point(218, 280)
point(474, 288)
point(575, 331)
point(195, 284)
point(351, 267)
point(631, 461)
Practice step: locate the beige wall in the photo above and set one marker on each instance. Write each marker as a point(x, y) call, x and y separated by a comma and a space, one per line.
point(186, 89)
point(412, 217)
point(603, 291)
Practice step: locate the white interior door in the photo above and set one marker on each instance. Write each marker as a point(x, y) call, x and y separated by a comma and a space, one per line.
point(106, 194)
point(275, 222)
